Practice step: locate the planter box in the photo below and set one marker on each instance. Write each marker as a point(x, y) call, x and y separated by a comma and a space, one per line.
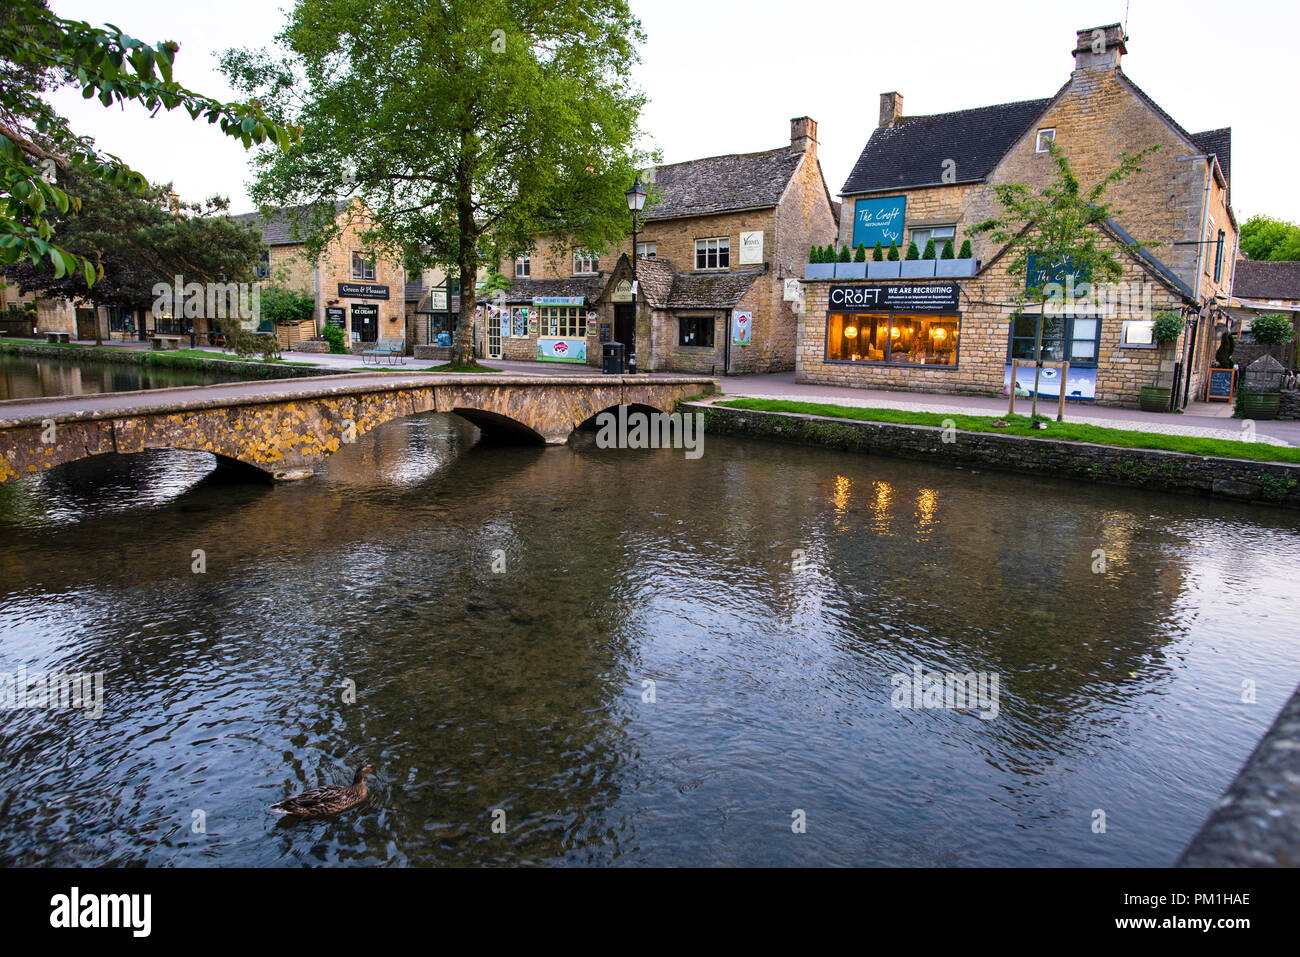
point(850, 270)
point(1154, 398)
point(884, 270)
point(1260, 405)
point(955, 267)
point(917, 268)
point(819, 271)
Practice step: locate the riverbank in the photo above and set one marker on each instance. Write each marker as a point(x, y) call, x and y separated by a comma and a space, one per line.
point(234, 367)
point(1271, 483)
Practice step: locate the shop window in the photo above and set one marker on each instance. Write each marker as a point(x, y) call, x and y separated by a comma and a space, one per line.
point(713, 253)
point(264, 265)
point(897, 339)
point(940, 235)
point(564, 322)
point(585, 262)
point(646, 250)
point(1044, 137)
point(695, 331)
point(523, 267)
point(363, 266)
point(1065, 338)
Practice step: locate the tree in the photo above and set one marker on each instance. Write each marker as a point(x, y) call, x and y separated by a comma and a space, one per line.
point(1267, 239)
point(135, 240)
point(1058, 226)
point(40, 51)
point(468, 127)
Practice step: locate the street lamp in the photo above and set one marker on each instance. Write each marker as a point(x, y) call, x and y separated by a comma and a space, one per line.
point(635, 202)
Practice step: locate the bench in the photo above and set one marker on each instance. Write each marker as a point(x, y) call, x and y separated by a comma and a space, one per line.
point(393, 350)
point(58, 337)
point(165, 342)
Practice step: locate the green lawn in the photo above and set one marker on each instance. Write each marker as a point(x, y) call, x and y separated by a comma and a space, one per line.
point(222, 357)
point(459, 370)
point(1023, 426)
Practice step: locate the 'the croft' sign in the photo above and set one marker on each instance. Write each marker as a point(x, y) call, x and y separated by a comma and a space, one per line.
point(924, 297)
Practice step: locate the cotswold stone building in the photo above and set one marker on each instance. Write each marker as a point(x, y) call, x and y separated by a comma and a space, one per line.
point(717, 241)
point(952, 327)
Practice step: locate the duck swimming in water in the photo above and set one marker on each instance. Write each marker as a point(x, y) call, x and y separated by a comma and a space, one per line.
point(331, 799)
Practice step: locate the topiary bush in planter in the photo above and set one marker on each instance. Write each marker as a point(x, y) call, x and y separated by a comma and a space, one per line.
point(845, 255)
point(1271, 330)
point(929, 249)
point(893, 251)
point(1223, 356)
point(947, 250)
point(860, 254)
point(913, 252)
point(965, 250)
point(1165, 330)
point(878, 254)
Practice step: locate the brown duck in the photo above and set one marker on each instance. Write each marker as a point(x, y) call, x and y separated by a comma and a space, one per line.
point(331, 799)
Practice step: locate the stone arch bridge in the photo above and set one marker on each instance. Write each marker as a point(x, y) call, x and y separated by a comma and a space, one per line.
point(285, 427)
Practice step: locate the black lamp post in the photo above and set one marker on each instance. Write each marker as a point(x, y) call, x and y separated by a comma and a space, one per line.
point(635, 202)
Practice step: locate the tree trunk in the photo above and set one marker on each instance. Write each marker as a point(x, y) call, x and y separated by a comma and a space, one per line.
point(1038, 358)
point(462, 344)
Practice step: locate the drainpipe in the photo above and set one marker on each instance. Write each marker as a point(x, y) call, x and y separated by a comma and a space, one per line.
point(1200, 260)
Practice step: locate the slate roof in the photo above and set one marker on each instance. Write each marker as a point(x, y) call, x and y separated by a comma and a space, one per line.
point(655, 280)
point(710, 291)
point(718, 184)
point(1218, 142)
point(277, 225)
point(522, 291)
point(1266, 280)
point(415, 291)
point(911, 152)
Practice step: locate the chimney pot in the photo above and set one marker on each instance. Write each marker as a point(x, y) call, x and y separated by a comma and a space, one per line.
point(891, 108)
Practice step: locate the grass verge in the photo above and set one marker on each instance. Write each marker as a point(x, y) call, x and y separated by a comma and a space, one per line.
point(1023, 426)
point(460, 370)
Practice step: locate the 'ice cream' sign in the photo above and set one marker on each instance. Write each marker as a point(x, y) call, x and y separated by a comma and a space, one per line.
point(878, 221)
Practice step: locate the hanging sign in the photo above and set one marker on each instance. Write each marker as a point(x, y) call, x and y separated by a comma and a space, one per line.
point(438, 300)
point(741, 323)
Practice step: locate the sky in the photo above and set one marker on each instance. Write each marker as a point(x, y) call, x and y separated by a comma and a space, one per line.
point(726, 76)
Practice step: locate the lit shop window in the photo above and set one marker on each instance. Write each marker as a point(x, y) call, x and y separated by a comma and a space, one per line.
point(900, 339)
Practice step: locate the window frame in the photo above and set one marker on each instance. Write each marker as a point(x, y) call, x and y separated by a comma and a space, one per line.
point(642, 253)
point(702, 323)
point(721, 248)
point(552, 319)
point(523, 266)
point(365, 258)
point(1218, 256)
point(1038, 138)
point(263, 270)
point(1067, 338)
point(938, 247)
point(888, 315)
point(588, 258)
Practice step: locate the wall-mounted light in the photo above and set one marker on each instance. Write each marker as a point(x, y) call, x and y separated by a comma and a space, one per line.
point(851, 332)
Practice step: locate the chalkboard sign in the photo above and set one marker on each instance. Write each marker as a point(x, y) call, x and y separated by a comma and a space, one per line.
point(1221, 384)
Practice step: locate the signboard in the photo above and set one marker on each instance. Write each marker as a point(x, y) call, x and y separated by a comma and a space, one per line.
point(591, 323)
point(1080, 385)
point(438, 300)
point(878, 221)
point(622, 292)
point(741, 325)
point(792, 291)
point(336, 316)
point(924, 297)
point(606, 333)
point(505, 324)
point(562, 350)
point(1039, 271)
point(362, 290)
point(534, 319)
point(1221, 384)
point(751, 247)
point(520, 323)
point(558, 300)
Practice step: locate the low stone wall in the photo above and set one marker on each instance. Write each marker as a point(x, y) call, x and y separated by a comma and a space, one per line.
point(235, 368)
point(1266, 482)
point(311, 345)
point(436, 353)
point(1289, 406)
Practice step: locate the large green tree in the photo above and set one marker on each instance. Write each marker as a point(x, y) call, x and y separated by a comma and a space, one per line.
point(468, 127)
point(1056, 229)
point(40, 51)
point(1267, 239)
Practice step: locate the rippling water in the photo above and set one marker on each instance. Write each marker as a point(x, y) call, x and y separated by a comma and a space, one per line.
point(524, 690)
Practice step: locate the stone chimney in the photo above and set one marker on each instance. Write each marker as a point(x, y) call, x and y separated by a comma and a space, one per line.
point(803, 135)
point(891, 108)
point(1099, 48)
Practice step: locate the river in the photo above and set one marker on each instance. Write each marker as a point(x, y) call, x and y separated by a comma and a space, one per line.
point(623, 657)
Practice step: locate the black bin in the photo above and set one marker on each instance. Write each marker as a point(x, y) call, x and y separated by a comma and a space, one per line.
point(611, 354)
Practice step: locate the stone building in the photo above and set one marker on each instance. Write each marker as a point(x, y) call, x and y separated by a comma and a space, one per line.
point(716, 243)
point(930, 178)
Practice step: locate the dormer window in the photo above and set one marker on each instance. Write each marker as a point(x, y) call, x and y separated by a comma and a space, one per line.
point(1044, 137)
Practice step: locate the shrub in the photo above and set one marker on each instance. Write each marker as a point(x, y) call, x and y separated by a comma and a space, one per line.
point(893, 251)
point(929, 249)
point(947, 250)
point(860, 255)
point(1272, 329)
point(286, 306)
point(877, 254)
point(1168, 326)
point(334, 336)
point(845, 255)
point(912, 251)
point(965, 250)
point(814, 254)
point(1223, 357)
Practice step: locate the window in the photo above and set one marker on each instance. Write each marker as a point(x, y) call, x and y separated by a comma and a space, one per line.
point(695, 331)
point(363, 266)
point(1218, 257)
point(1066, 338)
point(1044, 137)
point(585, 262)
point(264, 265)
point(564, 322)
point(898, 338)
point(646, 250)
point(940, 235)
point(121, 319)
point(1209, 237)
point(523, 266)
point(713, 253)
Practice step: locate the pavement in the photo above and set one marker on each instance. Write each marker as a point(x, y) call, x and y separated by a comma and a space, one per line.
point(1201, 419)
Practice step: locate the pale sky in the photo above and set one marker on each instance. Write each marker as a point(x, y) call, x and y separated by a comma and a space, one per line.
point(726, 76)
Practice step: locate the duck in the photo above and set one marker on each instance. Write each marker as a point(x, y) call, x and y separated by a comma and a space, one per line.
point(328, 800)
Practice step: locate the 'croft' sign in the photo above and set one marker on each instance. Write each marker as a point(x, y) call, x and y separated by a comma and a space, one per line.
point(923, 297)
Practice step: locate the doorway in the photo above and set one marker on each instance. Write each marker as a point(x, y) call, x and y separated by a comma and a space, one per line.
point(625, 327)
point(494, 324)
point(365, 322)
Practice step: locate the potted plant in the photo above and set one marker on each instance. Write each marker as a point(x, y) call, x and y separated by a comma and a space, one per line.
point(887, 269)
point(821, 264)
point(855, 269)
point(1165, 330)
point(1261, 392)
point(914, 267)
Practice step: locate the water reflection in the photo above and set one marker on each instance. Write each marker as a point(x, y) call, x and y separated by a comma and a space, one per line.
point(26, 377)
point(639, 658)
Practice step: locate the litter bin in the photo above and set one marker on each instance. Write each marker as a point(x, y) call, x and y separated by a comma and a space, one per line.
point(611, 354)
